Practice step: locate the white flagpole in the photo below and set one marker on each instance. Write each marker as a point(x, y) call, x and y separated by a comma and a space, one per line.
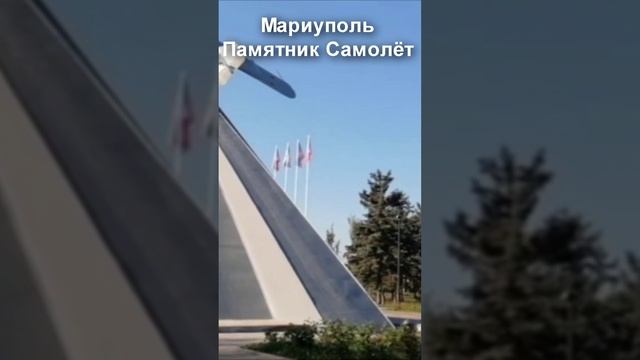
point(286, 174)
point(306, 187)
point(285, 163)
point(295, 176)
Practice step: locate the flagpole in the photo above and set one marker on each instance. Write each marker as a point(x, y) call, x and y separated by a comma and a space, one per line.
point(286, 163)
point(286, 175)
point(295, 175)
point(306, 187)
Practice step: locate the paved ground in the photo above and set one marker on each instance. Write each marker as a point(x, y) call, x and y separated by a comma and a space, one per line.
point(230, 347)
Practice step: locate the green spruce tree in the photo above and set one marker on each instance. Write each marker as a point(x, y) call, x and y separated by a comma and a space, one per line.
point(411, 249)
point(534, 290)
point(372, 255)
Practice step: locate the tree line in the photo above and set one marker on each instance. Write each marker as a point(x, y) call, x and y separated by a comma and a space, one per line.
point(390, 219)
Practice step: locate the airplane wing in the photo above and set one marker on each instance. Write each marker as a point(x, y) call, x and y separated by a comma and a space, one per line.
point(259, 73)
point(227, 65)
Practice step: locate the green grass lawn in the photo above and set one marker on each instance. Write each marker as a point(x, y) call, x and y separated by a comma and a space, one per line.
point(407, 306)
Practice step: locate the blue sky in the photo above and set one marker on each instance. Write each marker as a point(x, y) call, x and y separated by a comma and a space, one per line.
point(362, 114)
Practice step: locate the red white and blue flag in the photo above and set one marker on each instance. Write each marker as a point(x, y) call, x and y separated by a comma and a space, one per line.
point(276, 160)
point(300, 155)
point(286, 162)
point(309, 153)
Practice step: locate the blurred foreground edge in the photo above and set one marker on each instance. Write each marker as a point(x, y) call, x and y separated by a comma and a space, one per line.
point(101, 251)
